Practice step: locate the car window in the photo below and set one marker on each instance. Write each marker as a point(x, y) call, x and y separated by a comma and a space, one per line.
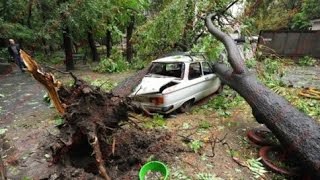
point(173, 69)
point(206, 68)
point(194, 71)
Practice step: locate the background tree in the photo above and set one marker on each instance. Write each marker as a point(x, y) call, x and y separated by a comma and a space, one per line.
point(310, 10)
point(269, 14)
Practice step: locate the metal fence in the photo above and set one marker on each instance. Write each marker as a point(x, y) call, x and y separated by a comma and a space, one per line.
point(290, 43)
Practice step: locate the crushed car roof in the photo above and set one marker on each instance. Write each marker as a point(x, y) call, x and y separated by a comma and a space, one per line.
point(180, 58)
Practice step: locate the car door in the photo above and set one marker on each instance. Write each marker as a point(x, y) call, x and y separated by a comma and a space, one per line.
point(196, 81)
point(211, 81)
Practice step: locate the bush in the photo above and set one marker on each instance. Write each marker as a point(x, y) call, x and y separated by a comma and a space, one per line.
point(307, 61)
point(251, 63)
point(138, 64)
point(4, 54)
point(110, 66)
point(103, 84)
point(273, 66)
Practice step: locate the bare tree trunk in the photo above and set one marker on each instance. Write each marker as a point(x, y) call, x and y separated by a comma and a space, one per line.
point(67, 43)
point(94, 52)
point(2, 170)
point(29, 13)
point(296, 131)
point(108, 43)
point(44, 43)
point(3, 174)
point(43, 9)
point(129, 36)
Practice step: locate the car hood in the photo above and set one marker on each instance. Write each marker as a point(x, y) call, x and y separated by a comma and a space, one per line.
point(151, 85)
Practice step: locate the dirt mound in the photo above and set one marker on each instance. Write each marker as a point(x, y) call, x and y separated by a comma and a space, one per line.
point(92, 136)
point(132, 148)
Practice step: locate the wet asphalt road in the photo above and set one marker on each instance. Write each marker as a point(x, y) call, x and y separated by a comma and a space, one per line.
point(20, 94)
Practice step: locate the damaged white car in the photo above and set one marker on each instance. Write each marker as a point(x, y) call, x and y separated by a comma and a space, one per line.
point(175, 83)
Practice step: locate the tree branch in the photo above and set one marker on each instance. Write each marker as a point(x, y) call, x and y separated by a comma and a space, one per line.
point(46, 79)
point(234, 56)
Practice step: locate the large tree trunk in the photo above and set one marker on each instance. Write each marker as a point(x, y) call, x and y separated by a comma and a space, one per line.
point(94, 52)
point(296, 131)
point(67, 43)
point(108, 42)
point(129, 36)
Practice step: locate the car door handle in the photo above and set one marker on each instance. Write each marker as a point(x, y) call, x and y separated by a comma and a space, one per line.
point(206, 78)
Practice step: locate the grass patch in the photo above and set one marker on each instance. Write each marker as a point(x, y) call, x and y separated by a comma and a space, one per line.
point(307, 61)
point(158, 121)
point(223, 103)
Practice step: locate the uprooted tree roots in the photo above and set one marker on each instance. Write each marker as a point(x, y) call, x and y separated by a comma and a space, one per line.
point(89, 114)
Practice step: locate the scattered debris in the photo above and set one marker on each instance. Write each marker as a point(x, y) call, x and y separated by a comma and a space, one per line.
point(310, 93)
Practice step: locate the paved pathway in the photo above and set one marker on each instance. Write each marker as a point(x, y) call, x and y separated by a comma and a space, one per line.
point(20, 94)
point(302, 77)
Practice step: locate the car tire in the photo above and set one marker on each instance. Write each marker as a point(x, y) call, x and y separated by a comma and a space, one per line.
point(220, 89)
point(186, 106)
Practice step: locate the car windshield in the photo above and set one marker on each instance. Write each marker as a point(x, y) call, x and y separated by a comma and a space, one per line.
point(171, 69)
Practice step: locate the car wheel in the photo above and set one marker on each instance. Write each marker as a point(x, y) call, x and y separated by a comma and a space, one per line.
point(186, 107)
point(220, 89)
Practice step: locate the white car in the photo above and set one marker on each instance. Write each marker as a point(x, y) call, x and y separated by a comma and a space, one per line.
point(175, 82)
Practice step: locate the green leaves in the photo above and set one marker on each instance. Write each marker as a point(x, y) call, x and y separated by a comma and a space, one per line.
point(224, 102)
point(210, 46)
point(256, 167)
point(271, 15)
point(307, 61)
point(3, 131)
point(195, 145)
point(111, 66)
point(311, 8)
point(157, 121)
point(58, 121)
point(15, 30)
point(103, 84)
point(207, 176)
point(160, 34)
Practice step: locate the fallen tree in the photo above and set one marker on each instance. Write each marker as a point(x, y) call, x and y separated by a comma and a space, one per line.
point(90, 114)
point(93, 115)
point(297, 132)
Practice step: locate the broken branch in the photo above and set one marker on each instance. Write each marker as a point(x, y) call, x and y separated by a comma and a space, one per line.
point(46, 79)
